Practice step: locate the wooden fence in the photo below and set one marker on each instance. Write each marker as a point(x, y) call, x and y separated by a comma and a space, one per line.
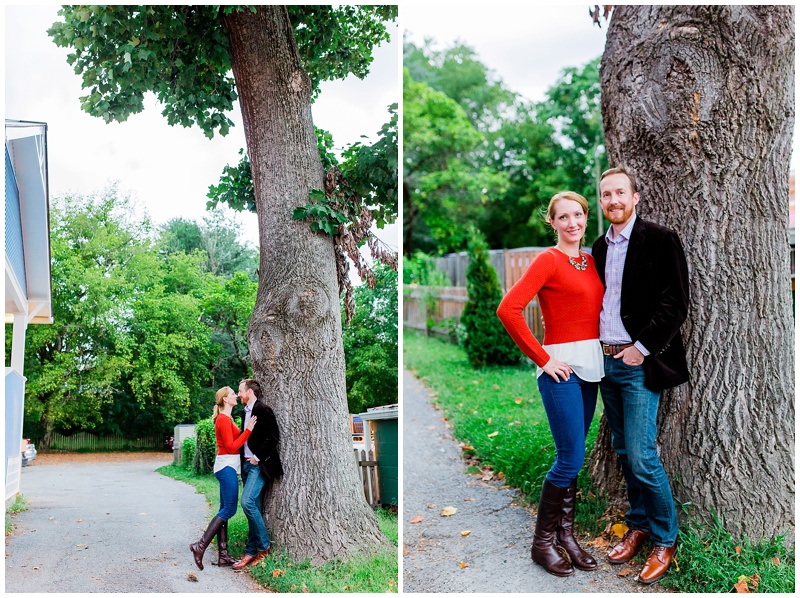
point(437, 310)
point(84, 441)
point(368, 473)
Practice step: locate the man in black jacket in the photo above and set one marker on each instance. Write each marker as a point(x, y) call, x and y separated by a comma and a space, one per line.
point(260, 463)
point(646, 299)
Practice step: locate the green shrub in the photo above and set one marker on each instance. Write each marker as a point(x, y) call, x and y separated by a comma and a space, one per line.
point(187, 452)
point(485, 340)
point(206, 452)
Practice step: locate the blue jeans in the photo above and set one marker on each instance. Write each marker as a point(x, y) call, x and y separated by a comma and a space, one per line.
point(570, 407)
point(228, 492)
point(631, 410)
point(257, 536)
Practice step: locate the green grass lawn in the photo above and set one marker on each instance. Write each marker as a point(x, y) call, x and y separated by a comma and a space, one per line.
point(376, 572)
point(498, 412)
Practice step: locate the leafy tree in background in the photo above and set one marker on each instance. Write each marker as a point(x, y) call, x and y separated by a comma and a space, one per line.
point(456, 72)
point(444, 190)
point(572, 107)
point(539, 148)
point(185, 55)
point(171, 347)
point(486, 341)
point(75, 366)
point(370, 344)
point(180, 234)
point(217, 238)
point(227, 306)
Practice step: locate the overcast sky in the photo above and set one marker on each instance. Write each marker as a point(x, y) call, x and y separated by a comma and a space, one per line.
point(527, 47)
point(166, 169)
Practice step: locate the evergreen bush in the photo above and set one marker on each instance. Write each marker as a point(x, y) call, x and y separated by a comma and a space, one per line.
point(206, 450)
point(187, 452)
point(485, 340)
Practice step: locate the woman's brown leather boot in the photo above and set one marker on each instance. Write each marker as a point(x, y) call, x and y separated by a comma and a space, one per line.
point(544, 550)
point(579, 557)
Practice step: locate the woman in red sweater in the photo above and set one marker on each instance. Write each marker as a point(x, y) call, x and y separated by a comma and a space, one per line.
point(227, 468)
point(570, 367)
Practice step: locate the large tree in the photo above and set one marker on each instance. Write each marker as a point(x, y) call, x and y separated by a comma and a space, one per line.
point(186, 54)
point(698, 101)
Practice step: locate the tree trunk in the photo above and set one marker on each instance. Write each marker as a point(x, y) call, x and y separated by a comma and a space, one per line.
point(317, 509)
point(698, 102)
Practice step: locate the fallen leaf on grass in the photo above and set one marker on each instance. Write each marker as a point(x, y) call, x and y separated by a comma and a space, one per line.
point(776, 560)
point(466, 532)
point(448, 511)
point(619, 529)
point(501, 476)
point(599, 542)
point(741, 585)
point(624, 572)
point(493, 434)
point(738, 550)
point(463, 565)
point(277, 573)
point(518, 400)
point(305, 589)
point(417, 519)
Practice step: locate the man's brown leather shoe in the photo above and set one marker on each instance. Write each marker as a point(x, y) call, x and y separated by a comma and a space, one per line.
point(657, 564)
point(249, 559)
point(631, 543)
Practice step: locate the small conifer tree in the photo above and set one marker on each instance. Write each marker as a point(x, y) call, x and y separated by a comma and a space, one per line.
point(486, 341)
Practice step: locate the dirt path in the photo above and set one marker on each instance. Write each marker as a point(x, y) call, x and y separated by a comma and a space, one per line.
point(495, 555)
point(110, 523)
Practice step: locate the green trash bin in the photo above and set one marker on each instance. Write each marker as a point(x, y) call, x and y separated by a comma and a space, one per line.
point(386, 445)
point(386, 450)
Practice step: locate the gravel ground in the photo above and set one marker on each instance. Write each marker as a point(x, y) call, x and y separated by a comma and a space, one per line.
point(110, 523)
point(495, 555)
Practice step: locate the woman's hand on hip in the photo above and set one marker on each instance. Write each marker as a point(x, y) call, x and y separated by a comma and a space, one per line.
point(555, 369)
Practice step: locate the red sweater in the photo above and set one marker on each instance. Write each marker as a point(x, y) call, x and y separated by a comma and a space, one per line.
point(229, 441)
point(570, 301)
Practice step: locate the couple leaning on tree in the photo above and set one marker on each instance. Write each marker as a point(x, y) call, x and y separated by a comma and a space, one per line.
point(612, 319)
point(253, 453)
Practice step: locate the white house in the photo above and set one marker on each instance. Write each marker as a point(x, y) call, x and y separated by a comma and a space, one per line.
point(27, 283)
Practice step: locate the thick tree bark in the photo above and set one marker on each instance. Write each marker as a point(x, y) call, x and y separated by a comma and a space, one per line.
point(317, 509)
point(698, 102)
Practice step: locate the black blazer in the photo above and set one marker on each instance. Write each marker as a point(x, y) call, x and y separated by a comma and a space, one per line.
point(654, 299)
point(264, 440)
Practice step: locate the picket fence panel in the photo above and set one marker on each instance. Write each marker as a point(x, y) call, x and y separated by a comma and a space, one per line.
point(83, 441)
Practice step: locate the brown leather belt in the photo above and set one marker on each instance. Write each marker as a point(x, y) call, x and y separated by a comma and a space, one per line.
point(613, 349)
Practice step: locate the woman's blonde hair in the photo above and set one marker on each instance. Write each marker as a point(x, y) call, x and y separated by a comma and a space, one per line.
point(220, 401)
point(551, 207)
point(550, 214)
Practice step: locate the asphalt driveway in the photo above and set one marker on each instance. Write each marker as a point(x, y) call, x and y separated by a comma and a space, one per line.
point(110, 523)
point(485, 545)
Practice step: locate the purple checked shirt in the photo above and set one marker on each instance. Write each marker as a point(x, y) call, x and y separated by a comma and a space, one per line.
point(612, 331)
